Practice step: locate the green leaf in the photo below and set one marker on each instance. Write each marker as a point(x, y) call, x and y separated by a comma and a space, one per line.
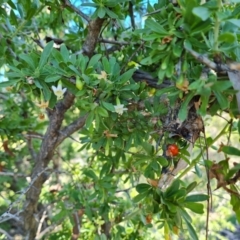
point(172, 189)
point(46, 92)
point(93, 61)
point(106, 65)
point(139, 197)
point(196, 198)
point(236, 22)
point(102, 111)
point(111, 14)
point(148, 148)
point(155, 166)
point(126, 76)
point(156, 27)
point(9, 83)
point(162, 161)
point(143, 187)
point(52, 78)
point(230, 150)
point(184, 108)
point(195, 207)
point(238, 126)
point(221, 86)
point(64, 52)
point(222, 100)
point(101, 12)
point(89, 120)
point(201, 12)
point(90, 173)
point(108, 106)
point(45, 54)
point(191, 186)
point(227, 37)
point(191, 231)
point(28, 60)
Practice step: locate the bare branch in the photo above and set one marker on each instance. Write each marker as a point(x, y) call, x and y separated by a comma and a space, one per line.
point(206, 61)
point(30, 149)
point(131, 14)
point(113, 42)
point(76, 10)
point(49, 229)
point(12, 174)
point(70, 129)
point(9, 237)
point(7, 216)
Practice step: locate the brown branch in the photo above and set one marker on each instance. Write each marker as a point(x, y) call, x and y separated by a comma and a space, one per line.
point(76, 10)
point(70, 129)
point(94, 29)
point(52, 139)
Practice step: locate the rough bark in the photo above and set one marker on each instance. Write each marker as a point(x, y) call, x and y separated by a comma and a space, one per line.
point(52, 138)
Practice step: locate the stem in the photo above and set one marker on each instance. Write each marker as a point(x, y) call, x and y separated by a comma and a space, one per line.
point(216, 27)
point(197, 159)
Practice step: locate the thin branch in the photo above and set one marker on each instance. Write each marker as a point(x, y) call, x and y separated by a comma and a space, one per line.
point(47, 230)
point(76, 227)
point(44, 216)
point(206, 61)
point(70, 129)
point(131, 14)
point(209, 190)
point(9, 237)
point(7, 216)
point(76, 10)
point(12, 174)
point(154, 12)
point(31, 150)
point(136, 51)
point(113, 42)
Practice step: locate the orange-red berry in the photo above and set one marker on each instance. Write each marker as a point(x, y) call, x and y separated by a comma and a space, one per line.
point(172, 150)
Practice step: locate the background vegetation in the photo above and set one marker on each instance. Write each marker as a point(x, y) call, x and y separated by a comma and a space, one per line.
point(93, 96)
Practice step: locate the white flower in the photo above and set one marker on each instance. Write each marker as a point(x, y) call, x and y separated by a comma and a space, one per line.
point(120, 108)
point(59, 91)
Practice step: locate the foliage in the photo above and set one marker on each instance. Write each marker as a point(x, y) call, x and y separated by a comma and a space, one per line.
point(85, 141)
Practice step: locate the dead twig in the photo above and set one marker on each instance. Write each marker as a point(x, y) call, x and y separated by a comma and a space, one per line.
point(131, 14)
point(76, 10)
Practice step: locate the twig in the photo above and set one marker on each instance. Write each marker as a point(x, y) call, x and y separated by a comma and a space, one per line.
point(230, 131)
point(136, 51)
point(12, 174)
point(27, 189)
point(7, 216)
point(76, 10)
point(47, 230)
point(203, 59)
point(131, 14)
point(113, 42)
point(76, 227)
point(154, 12)
point(44, 215)
point(209, 191)
point(31, 150)
point(71, 128)
point(9, 237)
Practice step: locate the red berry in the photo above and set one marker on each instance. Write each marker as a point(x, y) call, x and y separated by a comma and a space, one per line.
point(172, 150)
